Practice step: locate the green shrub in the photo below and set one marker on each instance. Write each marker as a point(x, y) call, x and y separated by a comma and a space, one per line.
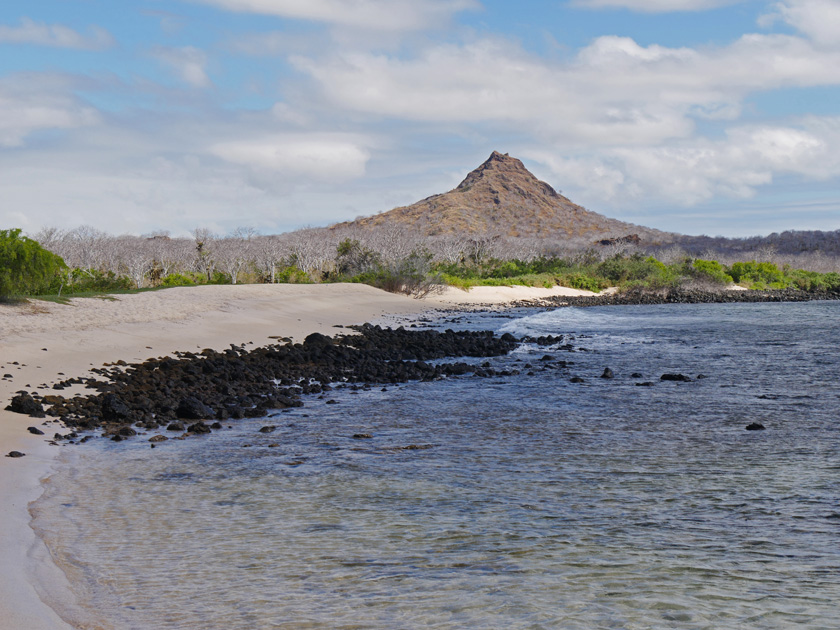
point(752, 272)
point(26, 268)
point(710, 270)
point(292, 275)
point(93, 281)
point(177, 280)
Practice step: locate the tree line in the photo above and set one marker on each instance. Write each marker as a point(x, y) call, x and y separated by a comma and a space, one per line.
point(393, 257)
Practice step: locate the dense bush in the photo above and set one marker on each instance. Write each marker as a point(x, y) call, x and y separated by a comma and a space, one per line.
point(178, 280)
point(26, 268)
point(758, 275)
point(710, 270)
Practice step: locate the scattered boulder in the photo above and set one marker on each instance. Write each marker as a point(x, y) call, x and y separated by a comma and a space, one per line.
point(158, 438)
point(755, 426)
point(35, 430)
point(268, 429)
point(191, 408)
point(25, 404)
point(199, 427)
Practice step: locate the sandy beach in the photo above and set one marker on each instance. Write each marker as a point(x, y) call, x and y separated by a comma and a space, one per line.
point(43, 343)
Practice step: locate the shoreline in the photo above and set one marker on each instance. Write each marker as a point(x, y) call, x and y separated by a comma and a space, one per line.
point(44, 343)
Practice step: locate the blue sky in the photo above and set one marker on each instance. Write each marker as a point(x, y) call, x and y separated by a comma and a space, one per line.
point(711, 117)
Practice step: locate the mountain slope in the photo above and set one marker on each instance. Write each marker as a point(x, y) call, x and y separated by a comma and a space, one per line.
point(503, 197)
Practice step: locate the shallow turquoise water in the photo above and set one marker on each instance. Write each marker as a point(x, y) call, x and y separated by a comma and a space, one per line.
point(524, 502)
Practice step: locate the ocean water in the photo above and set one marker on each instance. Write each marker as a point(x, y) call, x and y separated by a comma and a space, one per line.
point(525, 501)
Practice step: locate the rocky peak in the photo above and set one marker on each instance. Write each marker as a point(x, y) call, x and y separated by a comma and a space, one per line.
point(510, 173)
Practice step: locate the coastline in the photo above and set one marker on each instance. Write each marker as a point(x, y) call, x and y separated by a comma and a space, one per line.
point(43, 343)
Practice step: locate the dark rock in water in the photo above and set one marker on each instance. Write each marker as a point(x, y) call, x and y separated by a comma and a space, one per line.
point(113, 408)
point(216, 425)
point(701, 376)
point(332, 402)
point(35, 430)
point(15, 454)
point(576, 379)
point(362, 436)
point(158, 438)
point(608, 373)
point(635, 375)
point(126, 432)
point(681, 378)
point(199, 427)
point(25, 404)
point(191, 408)
point(645, 384)
point(236, 383)
point(755, 426)
point(268, 429)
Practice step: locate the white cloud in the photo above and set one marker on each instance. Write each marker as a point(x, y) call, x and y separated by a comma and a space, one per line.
point(387, 15)
point(315, 156)
point(30, 103)
point(655, 6)
point(697, 170)
point(614, 92)
point(818, 20)
point(189, 64)
point(57, 35)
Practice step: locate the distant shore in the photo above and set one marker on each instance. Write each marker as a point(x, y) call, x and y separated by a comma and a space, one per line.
point(44, 343)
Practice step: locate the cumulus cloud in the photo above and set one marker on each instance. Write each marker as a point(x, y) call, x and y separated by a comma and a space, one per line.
point(818, 20)
point(613, 92)
point(56, 35)
point(696, 170)
point(188, 63)
point(31, 103)
point(312, 155)
point(387, 15)
point(655, 6)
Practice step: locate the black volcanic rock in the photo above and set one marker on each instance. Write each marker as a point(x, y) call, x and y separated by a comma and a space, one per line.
point(25, 404)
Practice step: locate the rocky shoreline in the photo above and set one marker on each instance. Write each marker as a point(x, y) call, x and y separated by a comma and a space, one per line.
point(194, 392)
point(686, 296)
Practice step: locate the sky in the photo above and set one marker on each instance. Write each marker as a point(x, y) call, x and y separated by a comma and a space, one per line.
point(718, 117)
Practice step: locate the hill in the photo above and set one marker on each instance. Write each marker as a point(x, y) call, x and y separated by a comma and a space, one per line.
point(503, 197)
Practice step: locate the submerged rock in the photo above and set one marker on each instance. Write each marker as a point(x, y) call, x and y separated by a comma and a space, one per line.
point(682, 378)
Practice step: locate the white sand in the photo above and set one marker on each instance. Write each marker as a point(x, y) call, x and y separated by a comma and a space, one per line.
point(499, 295)
point(50, 339)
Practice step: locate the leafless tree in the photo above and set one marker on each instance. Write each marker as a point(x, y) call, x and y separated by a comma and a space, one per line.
point(312, 250)
point(205, 255)
point(269, 251)
point(233, 254)
point(136, 259)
